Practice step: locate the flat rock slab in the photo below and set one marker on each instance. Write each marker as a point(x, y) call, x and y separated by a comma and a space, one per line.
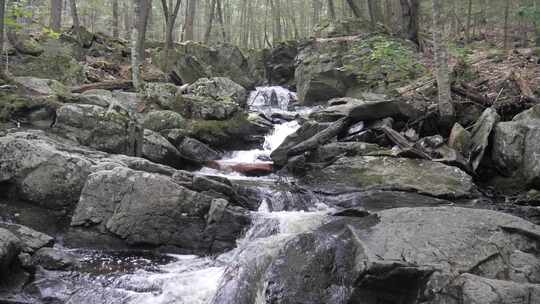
point(353, 174)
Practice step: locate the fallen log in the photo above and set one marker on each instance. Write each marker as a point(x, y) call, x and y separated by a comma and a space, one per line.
point(320, 138)
point(251, 169)
point(105, 85)
point(406, 147)
point(471, 95)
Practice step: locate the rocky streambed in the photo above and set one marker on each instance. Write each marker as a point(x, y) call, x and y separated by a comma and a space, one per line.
point(112, 203)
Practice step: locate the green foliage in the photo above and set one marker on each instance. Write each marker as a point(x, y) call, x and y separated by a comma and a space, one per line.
point(529, 11)
point(382, 62)
point(461, 52)
point(11, 104)
point(51, 33)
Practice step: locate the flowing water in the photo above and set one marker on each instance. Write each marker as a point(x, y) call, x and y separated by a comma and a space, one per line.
point(236, 276)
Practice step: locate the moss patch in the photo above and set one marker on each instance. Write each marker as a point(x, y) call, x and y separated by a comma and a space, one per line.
point(380, 63)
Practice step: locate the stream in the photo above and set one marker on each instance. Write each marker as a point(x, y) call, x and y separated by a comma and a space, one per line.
point(236, 276)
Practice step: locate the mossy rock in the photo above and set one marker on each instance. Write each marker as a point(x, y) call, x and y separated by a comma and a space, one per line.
point(363, 173)
point(17, 107)
point(163, 120)
point(24, 43)
point(206, 108)
point(236, 132)
point(55, 62)
point(374, 63)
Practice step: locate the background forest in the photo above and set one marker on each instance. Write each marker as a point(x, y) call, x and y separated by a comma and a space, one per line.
point(262, 23)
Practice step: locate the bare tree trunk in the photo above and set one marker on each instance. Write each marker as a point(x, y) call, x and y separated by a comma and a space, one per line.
point(56, 15)
point(446, 109)
point(276, 13)
point(75, 14)
point(219, 10)
point(537, 23)
point(506, 13)
point(191, 9)
point(469, 19)
point(316, 11)
point(331, 9)
point(374, 11)
point(210, 21)
point(356, 11)
point(138, 36)
point(116, 32)
point(410, 14)
point(127, 24)
point(170, 13)
point(2, 18)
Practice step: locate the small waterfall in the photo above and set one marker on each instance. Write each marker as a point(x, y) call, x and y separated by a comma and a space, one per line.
point(266, 98)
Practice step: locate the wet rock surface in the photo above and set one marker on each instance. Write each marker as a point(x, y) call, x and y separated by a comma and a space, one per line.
point(385, 257)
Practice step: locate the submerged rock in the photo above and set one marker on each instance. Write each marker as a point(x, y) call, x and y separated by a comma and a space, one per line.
point(55, 259)
point(350, 174)
point(465, 255)
point(9, 249)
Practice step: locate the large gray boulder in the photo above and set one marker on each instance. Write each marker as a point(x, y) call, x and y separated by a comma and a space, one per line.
point(40, 86)
point(43, 171)
point(141, 208)
point(110, 130)
point(361, 110)
point(515, 148)
point(442, 255)
point(157, 149)
point(164, 94)
point(51, 172)
point(360, 173)
point(194, 60)
point(220, 89)
point(207, 108)
point(349, 66)
point(197, 151)
point(235, 133)
point(163, 120)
